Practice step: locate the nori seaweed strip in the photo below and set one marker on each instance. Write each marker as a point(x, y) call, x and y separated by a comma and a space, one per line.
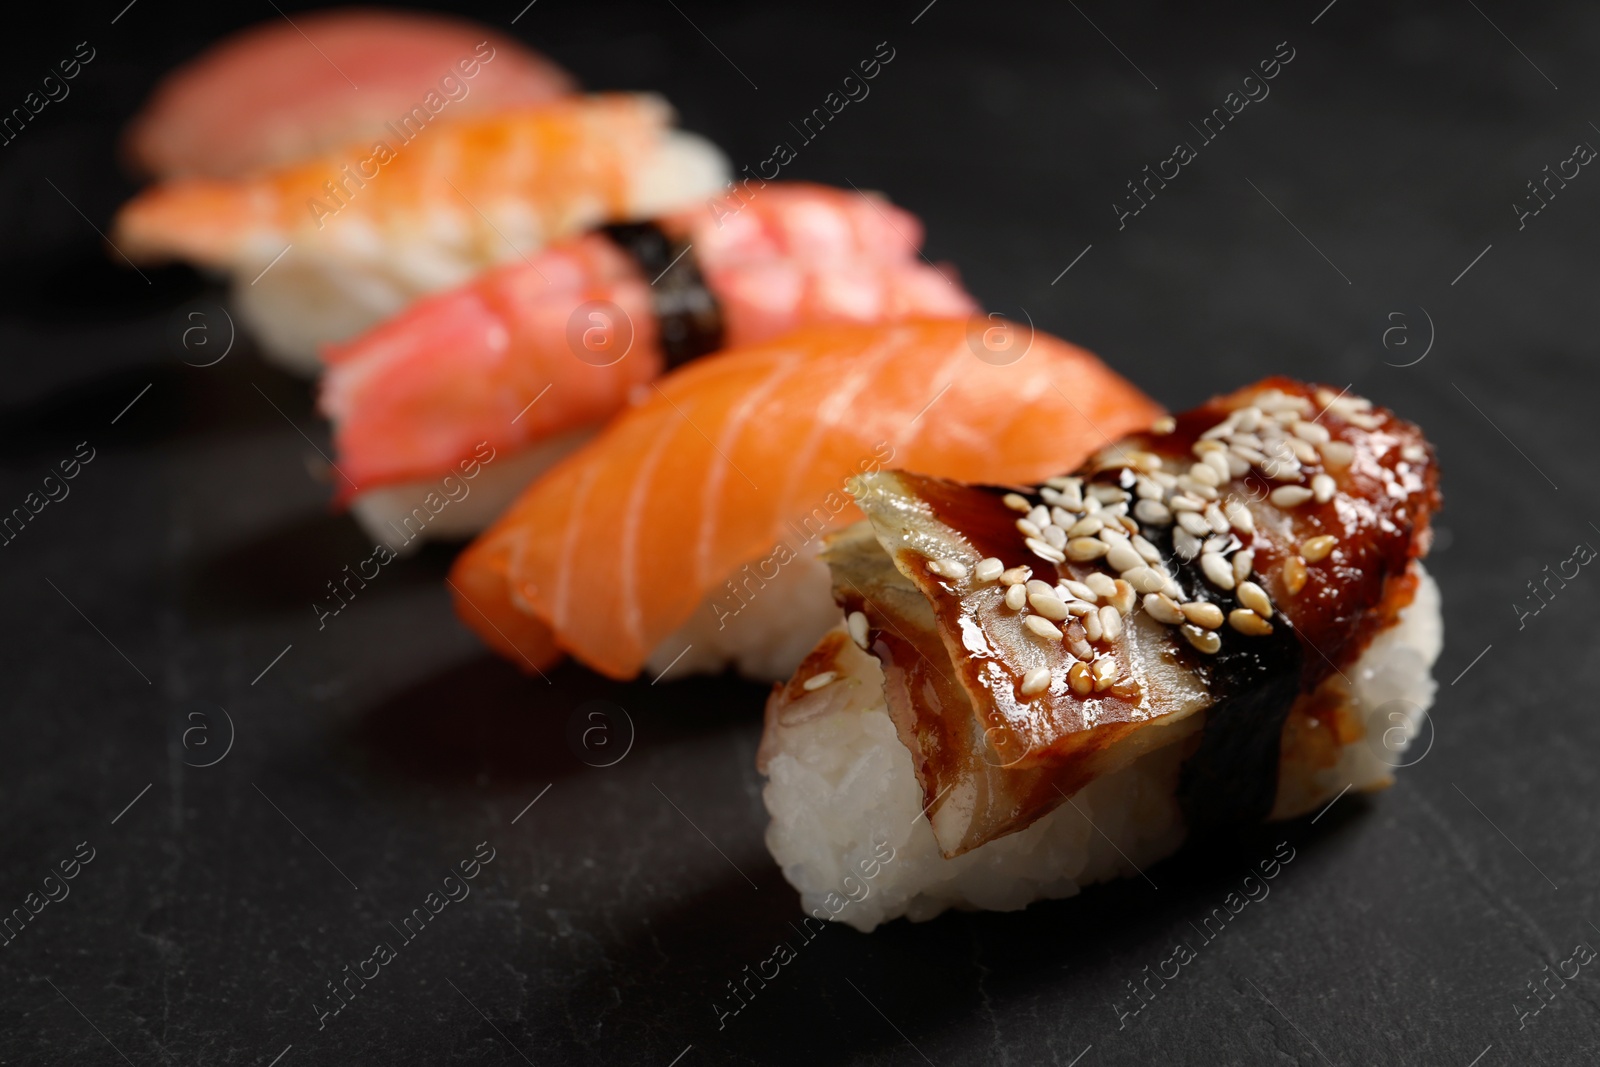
point(1231, 779)
point(688, 313)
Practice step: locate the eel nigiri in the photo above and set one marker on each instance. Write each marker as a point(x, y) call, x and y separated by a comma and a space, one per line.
point(685, 534)
point(280, 91)
point(326, 248)
point(1216, 623)
point(502, 360)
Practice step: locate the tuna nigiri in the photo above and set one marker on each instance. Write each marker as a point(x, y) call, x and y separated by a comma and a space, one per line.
point(685, 534)
point(280, 91)
point(330, 246)
point(529, 358)
point(1224, 621)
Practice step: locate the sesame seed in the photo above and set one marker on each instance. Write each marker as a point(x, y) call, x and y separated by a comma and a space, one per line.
point(1186, 544)
point(1295, 574)
point(817, 681)
point(1337, 454)
point(1105, 672)
point(1077, 641)
point(1107, 494)
point(1081, 591)
point(1219, 543)
point(1322, 488)
point(1048, 605)
point(1072, 495)
point(1413, 453)
point(1316, 549)
point(1203, 614)
point(1016, 502)
point(1194, 522)
point(1242, 562)
point(1063, 518)
point(1016, 575)
point(1239, 515)
point(1314, 432)
point(1092, 627)
point(1153, 512)
point(1083, 549)
point(1123, 557)
point(1162, 608)
point(1147, 551)
point(1205, 474)
point(1218, 571)
point(949, 568)
point(1248, 622)
point(1247, 419)
point(1126, 688)
point(1041, 627)
point(1079, 678)
point(1079, 608)
point(1218, 521)
point(1255, 598)
point(1205, 641)
point(1049, 495)
point(1054, 536)
point(1103, 585)
point(1164, 425)
point(1016, 597)
point(1147, 488)
point(1087, 527)
point(1145, 579)
point(1039, 515)
point(1036, 586)
point(1047, 551)
point(1289, 496)
point(1238, 466)
point(1123, 598)
point(857, 623)
point(988, 569)
point(1111, 622)
point(1182, 502)
point(1249, 455)
point(1035, 681)
point(1028, 528)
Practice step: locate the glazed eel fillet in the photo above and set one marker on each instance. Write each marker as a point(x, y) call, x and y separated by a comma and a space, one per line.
point(1204, 590)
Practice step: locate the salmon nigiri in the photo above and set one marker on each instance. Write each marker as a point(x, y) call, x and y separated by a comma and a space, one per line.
point(529, 358)
point(330, 246)
point(280, 91)
point(685, 535)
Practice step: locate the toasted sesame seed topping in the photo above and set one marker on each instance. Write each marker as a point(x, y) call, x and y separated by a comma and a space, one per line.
point(1164, 425)
point(1289, 496)
point(1255, 598)
point(1054, 536)
point(1079, 607)
point(1205, 641)
point(1048, 605)
point(1337, 455)
point(1016, 502)
point(1194, 522)
point(1029, 528)
point(1316, 549)
point(1145, 579)
point(1163, 608)
point(1110, 622)
point(1102, 585)
point(1105, 672)
point(857, 622)
point(1123, 557)
point(1124, 597)
point(1081, 591)
point(948, 568)
point(1091, 626)
point(1015, 575)
point(1016, 598)
point(1203, 614)
point(1218, 571)
point(988, 569)
point(1086, 527)
point(1079, 679)
point(1041, 627)
point(1186, 544)
point(1046, 551)
point(1153, 512)
point(1039, 515)
point(1243, 560)
point(1248, 622)
point(817, 681)
point(1323, 488)
point(1035, 681)
point(1295, 574)
point(1084, 549)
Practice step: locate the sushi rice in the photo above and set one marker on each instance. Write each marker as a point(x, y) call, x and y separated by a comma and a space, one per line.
point(841, 781)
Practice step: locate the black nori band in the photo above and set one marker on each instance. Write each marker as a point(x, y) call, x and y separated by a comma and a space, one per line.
point(1231, 779)
point(689, 316)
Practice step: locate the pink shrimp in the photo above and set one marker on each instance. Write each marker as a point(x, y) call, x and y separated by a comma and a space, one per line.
point(521, 355)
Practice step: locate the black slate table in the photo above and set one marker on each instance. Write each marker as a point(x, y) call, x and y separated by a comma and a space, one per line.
point(1366, 221)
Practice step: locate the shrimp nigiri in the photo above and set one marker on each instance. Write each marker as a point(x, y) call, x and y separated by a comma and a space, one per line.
point(684, 536)
point(502, 361)
point(280, 91)
point(330, 246)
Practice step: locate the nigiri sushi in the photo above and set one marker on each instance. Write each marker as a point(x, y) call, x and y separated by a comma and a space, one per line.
point(328, 247)
point(280, 91)
point(1219, 622)
point(503, 360)
point(684, 536)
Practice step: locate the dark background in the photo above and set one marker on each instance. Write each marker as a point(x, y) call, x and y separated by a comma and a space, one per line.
point(191, 549)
